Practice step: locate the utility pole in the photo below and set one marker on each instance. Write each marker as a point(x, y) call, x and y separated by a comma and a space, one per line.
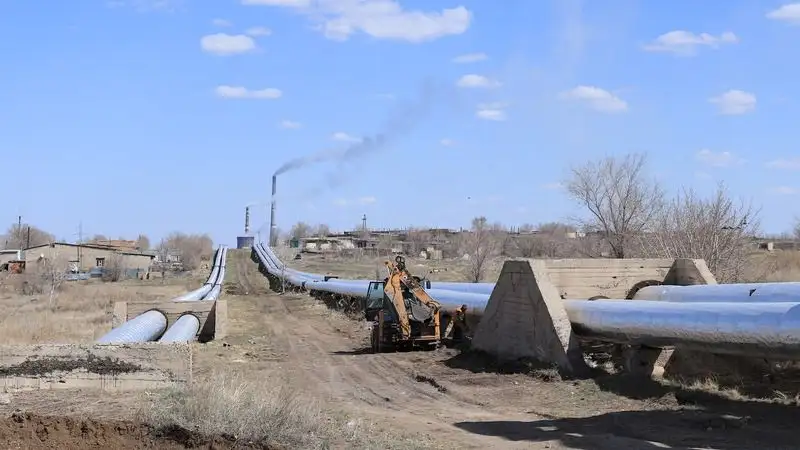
point(20, 238)
point(80, 241)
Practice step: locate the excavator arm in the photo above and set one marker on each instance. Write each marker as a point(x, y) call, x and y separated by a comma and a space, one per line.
point(399, 280)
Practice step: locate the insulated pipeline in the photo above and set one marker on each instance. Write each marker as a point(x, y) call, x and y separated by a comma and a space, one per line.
point(744, 292)
point(756, 329)
point(142, 328)
point(183, 330)
point(150, 325)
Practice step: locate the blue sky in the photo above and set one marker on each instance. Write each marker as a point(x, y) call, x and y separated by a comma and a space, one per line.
point(150, 116)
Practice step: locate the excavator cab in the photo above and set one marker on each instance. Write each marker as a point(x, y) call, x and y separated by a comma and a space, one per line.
point(375, 300)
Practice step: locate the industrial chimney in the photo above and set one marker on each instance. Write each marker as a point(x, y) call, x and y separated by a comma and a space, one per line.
point(245, 241)
point(273, 227)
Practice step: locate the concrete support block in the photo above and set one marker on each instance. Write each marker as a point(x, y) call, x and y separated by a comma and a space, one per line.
point(655, 362)
point(525, 318)
point(108, 367)
point(205, 311)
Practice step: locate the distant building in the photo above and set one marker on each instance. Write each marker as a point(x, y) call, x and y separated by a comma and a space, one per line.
point(85, 257)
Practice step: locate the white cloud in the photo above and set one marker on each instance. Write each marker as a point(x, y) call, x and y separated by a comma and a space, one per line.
point(470, 58)
point(784, 164)
point(492, 111)
point(477, 81)
point(596, 98)
point(447, 142)
point(381, 19)
point(734, 102)
point(785, 190)
point(717, 159)
point(227, 44)
point(686, 43)
point(221, 23)
point(344, 137)
point(258, 31)
point(789, 12)
point(290, 125)
point(242, 92)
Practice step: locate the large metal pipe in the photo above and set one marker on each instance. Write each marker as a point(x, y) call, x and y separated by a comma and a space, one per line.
point(756, 329)
point(183, 330)
point(273, 227)
point(152, 324)
point(142, 328)
point(744, 292)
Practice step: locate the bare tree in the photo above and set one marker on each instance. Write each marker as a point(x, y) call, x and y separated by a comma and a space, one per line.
point(479, 246)
point(796, 230)
point(621, 199)
point(716, 229)
point(502, 239)
point(194, 248)
point(300, 230)
point(143, 242)
point(322, 230)
point(98, 238)
point(418, 239)
point(20, 237)
point(113, 268)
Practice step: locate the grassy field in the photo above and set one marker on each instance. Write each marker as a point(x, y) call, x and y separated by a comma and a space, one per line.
point(78, 311)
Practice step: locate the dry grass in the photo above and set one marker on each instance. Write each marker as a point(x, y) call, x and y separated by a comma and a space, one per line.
point(267, 413)
point(80, 311)
point(780, 265)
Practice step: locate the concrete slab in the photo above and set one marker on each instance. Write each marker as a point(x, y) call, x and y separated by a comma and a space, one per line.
point(95, 366)
point(600, 277)
point(526, 319)
point(212, 314)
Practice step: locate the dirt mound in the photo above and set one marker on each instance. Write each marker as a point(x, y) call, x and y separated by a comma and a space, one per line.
point(33, 432)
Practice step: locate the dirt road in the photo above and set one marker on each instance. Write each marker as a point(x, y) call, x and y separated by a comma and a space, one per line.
point(447, 396)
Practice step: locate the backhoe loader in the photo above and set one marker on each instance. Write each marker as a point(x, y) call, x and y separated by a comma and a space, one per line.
point(403, 315)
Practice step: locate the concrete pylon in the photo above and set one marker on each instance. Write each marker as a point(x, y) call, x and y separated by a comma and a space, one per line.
point(525, 318)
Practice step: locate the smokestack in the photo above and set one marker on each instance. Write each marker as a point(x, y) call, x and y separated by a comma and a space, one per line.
point(273, 227)
point(246, 220)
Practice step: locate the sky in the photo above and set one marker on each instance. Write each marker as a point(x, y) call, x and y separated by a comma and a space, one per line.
point(149, 116)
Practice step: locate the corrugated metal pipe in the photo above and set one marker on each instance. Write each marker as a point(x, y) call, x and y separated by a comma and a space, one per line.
point(152, 324)
point(183, 330)
point(186, 328)
point(142, 328)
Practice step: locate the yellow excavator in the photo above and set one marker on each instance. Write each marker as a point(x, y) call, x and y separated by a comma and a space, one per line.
point(403, 315)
